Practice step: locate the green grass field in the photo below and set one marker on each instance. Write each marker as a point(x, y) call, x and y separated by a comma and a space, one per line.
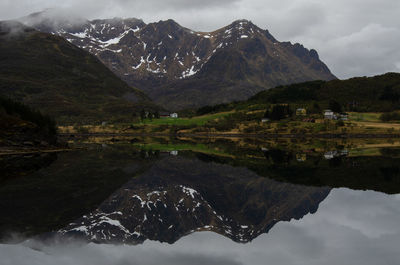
point(367, 116)
point(199, 120)
point(365, 152)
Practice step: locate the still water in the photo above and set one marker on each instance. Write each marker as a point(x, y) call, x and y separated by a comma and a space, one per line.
point(196, 202)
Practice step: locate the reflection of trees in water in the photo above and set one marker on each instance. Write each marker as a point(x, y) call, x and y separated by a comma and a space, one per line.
point(335, 162)
point(145, 154)
point(391, 152)
point(22, 165)
point(47, 191)
point(278, 156)
point(390, 173)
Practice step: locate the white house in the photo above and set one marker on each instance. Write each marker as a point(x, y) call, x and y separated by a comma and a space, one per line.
point(328, 114)
point(174, 115)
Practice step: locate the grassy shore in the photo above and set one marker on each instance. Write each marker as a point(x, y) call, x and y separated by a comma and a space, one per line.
point(245, 123)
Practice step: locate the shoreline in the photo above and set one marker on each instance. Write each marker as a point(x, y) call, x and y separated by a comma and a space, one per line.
point(235, 135)
point(10, 152)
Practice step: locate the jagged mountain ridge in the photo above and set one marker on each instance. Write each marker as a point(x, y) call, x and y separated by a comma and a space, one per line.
point(179, 196)
point(238, 60)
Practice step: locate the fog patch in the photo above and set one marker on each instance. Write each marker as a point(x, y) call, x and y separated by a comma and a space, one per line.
point(34, 252)
point(11, 28)
point(55, 18)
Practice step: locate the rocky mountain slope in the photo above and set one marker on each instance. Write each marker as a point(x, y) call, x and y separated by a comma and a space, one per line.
point(50, 74)
point(181, 68)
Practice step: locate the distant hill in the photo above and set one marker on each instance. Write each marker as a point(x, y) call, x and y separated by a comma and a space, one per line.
point(181, 68)
point(363, 94)
point(54, 76)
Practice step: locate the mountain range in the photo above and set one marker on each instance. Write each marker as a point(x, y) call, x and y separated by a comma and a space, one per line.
point(180, 68)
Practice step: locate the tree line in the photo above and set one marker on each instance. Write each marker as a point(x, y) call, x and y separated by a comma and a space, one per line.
point(44, 122)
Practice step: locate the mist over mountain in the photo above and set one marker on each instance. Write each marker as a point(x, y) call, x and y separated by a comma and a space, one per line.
point(180, 68)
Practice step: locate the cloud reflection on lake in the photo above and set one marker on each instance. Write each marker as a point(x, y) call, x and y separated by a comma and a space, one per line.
point(357, 226)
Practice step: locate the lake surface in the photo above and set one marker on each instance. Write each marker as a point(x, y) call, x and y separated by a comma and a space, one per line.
point(220, 201)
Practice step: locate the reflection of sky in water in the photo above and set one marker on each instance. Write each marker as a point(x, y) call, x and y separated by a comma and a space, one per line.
point(350, 227)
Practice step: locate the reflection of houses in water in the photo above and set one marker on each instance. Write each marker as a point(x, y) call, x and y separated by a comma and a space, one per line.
point(168, 115)
point(172, 153)
point(335, 153)
point(301, 157)
point(301, 112)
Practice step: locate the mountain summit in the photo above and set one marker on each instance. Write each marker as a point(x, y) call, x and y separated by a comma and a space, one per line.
point(181, 68)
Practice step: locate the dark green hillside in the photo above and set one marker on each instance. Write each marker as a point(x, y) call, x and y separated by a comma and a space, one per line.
point(48, 73)
point(362, 94)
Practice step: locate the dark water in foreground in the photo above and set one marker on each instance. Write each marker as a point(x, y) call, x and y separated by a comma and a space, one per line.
point(202, 203)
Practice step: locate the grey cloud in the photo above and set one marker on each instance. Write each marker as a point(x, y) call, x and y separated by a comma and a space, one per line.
point(105, 255)
point(374, 49)
point(156, 5)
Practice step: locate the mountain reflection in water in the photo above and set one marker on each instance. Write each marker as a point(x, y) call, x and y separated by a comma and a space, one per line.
point(273, 199)
point(181, 195)
point(350, 227)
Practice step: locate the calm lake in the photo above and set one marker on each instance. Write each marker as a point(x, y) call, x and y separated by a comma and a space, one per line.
point(203, 201)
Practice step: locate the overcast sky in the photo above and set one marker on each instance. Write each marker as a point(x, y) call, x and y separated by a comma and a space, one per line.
point(353, 37)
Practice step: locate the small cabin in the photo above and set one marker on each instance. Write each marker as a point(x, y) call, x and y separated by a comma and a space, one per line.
point(328, 114)
point(174, 115)
point(301, 112)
